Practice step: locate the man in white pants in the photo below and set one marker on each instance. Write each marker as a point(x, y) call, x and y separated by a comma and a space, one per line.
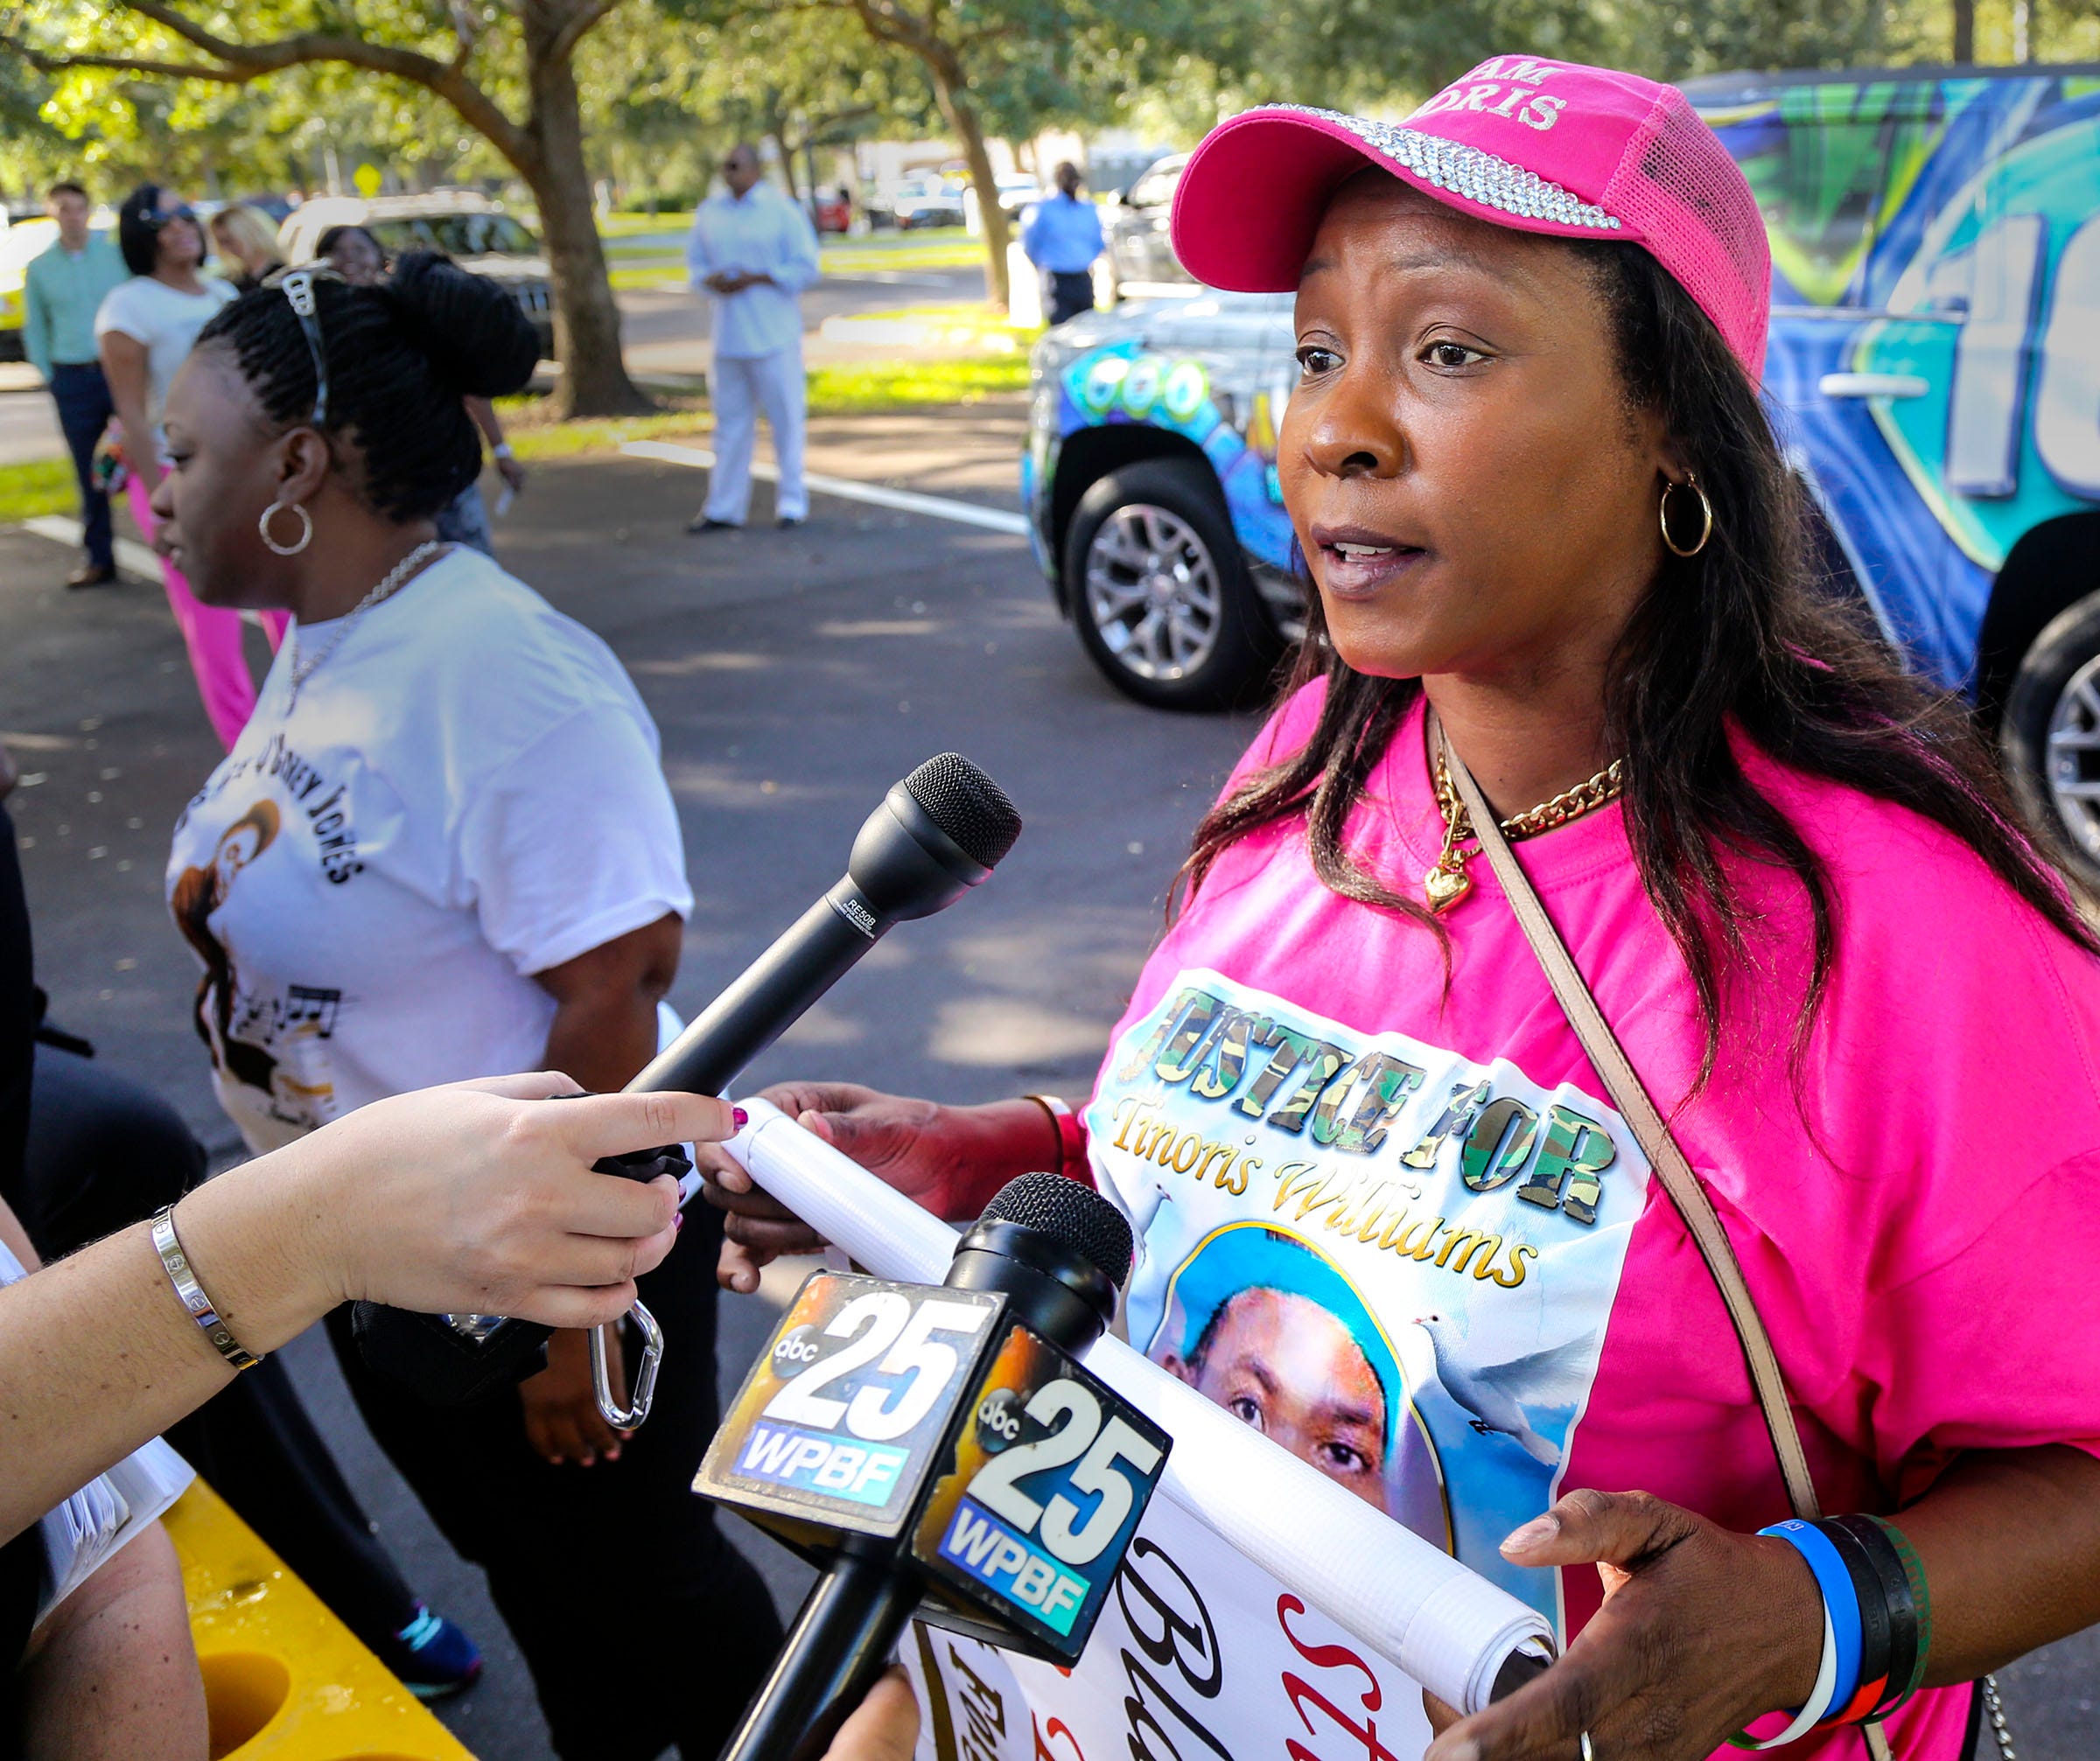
point(753, 251)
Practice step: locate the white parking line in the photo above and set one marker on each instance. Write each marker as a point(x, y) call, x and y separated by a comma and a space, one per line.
point(904, 500)
point(132, 556)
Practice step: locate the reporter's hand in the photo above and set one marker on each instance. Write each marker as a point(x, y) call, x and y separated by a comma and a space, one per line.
point(480, 1196)
point(562, 1419)
point(914, 1146)
point(884, 1727)
point(1702, 1631)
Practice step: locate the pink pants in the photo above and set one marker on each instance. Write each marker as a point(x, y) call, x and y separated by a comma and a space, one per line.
point(213, 636)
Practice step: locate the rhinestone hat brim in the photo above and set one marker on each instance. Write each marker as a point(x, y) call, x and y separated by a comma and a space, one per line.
point(1462, 171)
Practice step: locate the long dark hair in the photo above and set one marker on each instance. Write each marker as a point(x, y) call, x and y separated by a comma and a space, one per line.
point(1745, 636)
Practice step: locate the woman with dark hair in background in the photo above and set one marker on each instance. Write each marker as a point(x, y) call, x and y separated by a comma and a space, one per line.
point(361, 261)
point(477, 867)
point(1559, 576)
point(145, 329)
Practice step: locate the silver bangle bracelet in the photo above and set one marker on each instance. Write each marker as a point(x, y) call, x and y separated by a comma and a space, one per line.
point(190, 1293)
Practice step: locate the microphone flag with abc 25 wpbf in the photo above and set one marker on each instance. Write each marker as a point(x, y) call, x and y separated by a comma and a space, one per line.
point(947, 1435)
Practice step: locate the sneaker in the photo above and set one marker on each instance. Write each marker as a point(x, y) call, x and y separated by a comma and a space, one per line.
point(705, 524)
point(433, 1657)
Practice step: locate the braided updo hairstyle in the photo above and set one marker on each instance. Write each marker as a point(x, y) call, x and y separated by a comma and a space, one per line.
point(400, 357)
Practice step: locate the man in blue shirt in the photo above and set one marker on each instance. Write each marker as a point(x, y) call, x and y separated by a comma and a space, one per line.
point(1061, 238)
point(61, 290)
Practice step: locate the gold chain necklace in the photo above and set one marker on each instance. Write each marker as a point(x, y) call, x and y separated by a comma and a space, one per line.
point(1447, 882)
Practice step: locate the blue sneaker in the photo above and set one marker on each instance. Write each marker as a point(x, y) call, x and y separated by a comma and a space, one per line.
point(433, 1657)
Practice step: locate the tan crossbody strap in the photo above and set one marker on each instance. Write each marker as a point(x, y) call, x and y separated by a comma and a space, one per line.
point(1629, 1095)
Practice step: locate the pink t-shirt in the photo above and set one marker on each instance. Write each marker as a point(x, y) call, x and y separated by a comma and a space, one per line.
point(1398, 1225)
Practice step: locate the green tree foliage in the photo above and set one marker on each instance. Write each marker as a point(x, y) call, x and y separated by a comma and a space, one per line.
point(991, 68)
point(139, 77)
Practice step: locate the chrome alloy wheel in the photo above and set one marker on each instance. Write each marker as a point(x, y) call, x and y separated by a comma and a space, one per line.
point(1153, 592)
point(2073, 758)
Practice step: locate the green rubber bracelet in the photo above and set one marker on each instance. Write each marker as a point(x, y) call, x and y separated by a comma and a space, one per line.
point(1914, 1568)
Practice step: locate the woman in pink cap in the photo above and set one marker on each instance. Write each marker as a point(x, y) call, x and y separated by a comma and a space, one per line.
point(1559, 570)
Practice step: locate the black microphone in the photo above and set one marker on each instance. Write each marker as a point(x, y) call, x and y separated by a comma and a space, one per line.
point(936, 835)
point(941, 1453)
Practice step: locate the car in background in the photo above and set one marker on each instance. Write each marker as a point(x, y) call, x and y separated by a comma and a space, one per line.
point(927, 201)
point(1141, 256)
point(476, 234)
point(1934, 368)
point(831, 210)
point(25, 240)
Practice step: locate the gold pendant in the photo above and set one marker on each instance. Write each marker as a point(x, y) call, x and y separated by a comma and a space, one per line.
point(1445, 887)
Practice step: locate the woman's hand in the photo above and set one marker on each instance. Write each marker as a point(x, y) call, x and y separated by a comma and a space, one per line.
point(562, 1419)
point(904, 1141)
point(1702, 1631)
point(480, 1196)
point(884, 1727)
point(947, 1159)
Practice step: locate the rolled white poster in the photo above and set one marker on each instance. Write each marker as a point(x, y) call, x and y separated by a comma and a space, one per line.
point(1444, 1624)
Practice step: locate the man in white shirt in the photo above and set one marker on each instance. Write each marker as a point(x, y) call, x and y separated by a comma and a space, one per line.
point(753, 251)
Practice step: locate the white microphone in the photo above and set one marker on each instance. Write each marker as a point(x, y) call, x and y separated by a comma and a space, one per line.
point(1443, 1623)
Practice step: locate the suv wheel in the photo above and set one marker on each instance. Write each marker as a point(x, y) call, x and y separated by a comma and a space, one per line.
point(2050, 736)
point(1159, 590)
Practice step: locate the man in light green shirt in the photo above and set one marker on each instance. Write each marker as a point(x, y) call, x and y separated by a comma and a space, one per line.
point(61, 291)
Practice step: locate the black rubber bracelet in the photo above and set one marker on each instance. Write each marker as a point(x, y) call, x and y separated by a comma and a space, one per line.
point(1904, 1653)
point(1871, 1592)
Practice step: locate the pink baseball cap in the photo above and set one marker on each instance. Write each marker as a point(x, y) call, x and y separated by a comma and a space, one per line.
point(1547, 147)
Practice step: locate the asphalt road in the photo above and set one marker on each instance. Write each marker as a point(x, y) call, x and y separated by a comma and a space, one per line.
point(794, 676)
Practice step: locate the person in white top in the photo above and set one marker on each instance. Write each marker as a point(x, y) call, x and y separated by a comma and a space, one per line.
point(444, 847)
point(145, 330)
point(753, 251)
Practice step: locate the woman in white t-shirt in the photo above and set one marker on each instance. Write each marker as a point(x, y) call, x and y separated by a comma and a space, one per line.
point(145, 330)
point(442, 847)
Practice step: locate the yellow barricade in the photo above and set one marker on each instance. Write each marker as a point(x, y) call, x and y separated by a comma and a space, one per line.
point(283, 1678)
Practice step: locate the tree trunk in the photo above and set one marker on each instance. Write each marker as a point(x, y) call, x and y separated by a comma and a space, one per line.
point(586, 319)
point(1965, 32)
point(950, 87)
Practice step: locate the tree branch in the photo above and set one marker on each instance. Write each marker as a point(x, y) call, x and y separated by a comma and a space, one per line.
point(246, 61)
point(578, 27)
point(123, 64)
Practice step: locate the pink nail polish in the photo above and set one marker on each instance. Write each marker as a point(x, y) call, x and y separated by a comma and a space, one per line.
point(678, 1220)
point(740, 1117)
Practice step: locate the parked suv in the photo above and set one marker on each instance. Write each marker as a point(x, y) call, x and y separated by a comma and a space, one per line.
point(476, 234)
point(1141, 257)
point(1934, 367)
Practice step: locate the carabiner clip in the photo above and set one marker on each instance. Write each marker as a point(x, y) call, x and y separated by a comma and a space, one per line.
point(626, 1418)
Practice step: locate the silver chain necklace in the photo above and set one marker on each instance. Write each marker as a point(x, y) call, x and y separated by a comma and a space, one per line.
point(395, 579)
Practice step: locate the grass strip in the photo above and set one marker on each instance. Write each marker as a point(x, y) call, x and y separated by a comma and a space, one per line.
point(859, 389)
point(38, 486)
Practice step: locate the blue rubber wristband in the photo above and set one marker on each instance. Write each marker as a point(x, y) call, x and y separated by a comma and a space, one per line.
point(1834, 1578)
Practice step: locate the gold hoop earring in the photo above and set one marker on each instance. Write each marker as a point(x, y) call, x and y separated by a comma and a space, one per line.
point(1690, 482)
point(305, 528)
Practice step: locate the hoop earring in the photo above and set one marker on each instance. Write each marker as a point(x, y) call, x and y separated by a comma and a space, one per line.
point(1690, 482)
point(306, 527)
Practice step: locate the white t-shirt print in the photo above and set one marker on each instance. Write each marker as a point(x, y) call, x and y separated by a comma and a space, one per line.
point(466, 791)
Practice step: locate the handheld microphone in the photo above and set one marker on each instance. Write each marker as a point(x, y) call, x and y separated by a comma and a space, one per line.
point(939, 1451)
point(936, 835)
